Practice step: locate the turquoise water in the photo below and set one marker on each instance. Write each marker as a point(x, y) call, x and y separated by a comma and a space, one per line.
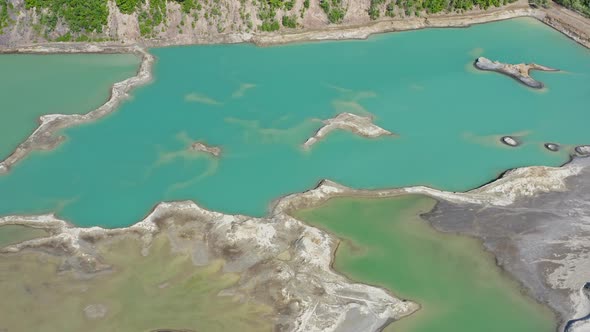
point(34, 85)
point(258, 104)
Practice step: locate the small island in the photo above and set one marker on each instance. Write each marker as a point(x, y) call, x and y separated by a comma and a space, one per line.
point(510, 141)
point(520, 72)
point(359, 125)
point(203, 147)
point(554, 147)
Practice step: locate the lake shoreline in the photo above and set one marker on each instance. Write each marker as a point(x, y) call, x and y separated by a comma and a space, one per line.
point(564, 23)
point(42, 138)
point(553, 179)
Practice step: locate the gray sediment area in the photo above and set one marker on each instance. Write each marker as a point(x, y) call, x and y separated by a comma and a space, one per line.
point(543, 240)
point(535, 220)
point(359, 125)
point(520, 72)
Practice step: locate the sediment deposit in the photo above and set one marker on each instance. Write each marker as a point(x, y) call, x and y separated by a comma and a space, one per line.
point(542, 239)
point(45, 136)
point(359, 125)
point(510, 141)
point(282, 262)
point(520, 72)
point(536, 214)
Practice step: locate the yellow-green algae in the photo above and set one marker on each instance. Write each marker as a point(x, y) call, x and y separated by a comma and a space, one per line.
point(458, 285)
point(162, 290)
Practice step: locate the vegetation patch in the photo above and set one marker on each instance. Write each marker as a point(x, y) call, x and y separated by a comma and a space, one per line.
point(581, 6)
point(5, 19)
point(334, 9)
point(417, 7)
point(290, 21)
point(79, 15)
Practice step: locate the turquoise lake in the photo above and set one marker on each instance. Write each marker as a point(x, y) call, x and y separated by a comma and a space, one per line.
point(260, 104)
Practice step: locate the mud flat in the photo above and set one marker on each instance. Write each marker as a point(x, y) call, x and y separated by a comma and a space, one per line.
point(45, 136)
point(359, 125)
point(277, 262)
point(520, 72)
point(285, 265)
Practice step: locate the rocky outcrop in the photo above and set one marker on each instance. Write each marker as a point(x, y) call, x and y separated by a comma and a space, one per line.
point(359, 125)
point(520, 72)
point(510, 141)
point(553, 147)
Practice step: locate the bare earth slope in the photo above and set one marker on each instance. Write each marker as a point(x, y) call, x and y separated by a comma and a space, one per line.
point(230, 21)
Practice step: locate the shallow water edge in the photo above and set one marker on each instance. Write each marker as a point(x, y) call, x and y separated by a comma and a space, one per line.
point(72, 242)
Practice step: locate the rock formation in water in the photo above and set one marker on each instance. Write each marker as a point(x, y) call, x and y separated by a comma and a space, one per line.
point(282, 262)
point(554, 147)
point(203, 147)
point(520, 72)
point(510, 141)
point(359, 125)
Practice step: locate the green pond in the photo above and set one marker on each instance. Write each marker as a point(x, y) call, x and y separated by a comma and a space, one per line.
point(260, 104)
point(385, 243)
point(34, 85)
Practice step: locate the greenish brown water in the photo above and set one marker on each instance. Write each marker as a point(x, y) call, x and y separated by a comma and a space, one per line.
point(458, 285)
point(162, 290)
point(12, 234)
